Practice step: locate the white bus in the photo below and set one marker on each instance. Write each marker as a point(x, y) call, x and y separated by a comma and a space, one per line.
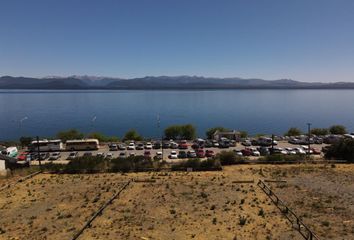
point(82, 144)
point(47, 145)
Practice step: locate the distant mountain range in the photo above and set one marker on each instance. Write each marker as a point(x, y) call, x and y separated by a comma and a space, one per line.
point(161, 82)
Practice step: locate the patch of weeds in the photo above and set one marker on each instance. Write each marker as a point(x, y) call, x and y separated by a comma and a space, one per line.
point(242, 221)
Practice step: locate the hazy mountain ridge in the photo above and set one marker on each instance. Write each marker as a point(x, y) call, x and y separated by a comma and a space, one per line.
point(162, 82)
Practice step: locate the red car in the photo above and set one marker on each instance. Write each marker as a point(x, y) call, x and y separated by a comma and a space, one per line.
point(315, 151)
point(200, 153)
point(209, 153)
point(147, 154)
point(246, 152)
point(183, 146)
point(23, 156)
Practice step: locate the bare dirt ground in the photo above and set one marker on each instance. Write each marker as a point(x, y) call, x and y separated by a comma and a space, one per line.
point(323, 197)
point(176, 205)
point(53, 206)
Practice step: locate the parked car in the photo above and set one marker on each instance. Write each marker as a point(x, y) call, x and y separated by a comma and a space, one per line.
point(238, 152)
point(165, 145)
point(290, 151)
point(44, 156)
point(147, 154)
point(158, 155)
point(173, 155)
point(191, 154)
point(255, 152)
point(87, 154)
point(182, 154)
point(121, 146)
point(22, 156)
point(209, 153)
point(131, 146)
point(140, 146)
point(113, 147)
point(208, 144)
point(315, 151)
point(34, 156)
point(148, 145)
point(100, 154)
point(183, 145)
point(200, 153)
point(246, 152)
point(299, 150)
point(173, 145)
point(157, 145)
point(54, 156)
point(263, 151)
point(215, 143)
point(246, 143)
point(122, 155)
point(109, 155)
point(224, 144)
point(195, 146)
point(73, 155)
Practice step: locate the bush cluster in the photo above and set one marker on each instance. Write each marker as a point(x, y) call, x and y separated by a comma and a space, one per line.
point(197, 165)
point(343, 150)
point(285, 158)
point(229, 158)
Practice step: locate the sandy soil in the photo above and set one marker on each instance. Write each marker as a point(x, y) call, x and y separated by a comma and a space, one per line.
point(197, 205)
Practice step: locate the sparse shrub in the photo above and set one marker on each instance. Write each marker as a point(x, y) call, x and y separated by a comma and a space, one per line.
point(242, 220)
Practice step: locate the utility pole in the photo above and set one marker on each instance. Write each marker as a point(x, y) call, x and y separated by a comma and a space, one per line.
point(38, 152)
point(309, 136)
point(158, 127)
point(272, 144)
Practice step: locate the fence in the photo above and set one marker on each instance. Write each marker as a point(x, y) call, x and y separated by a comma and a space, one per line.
point(288, 213)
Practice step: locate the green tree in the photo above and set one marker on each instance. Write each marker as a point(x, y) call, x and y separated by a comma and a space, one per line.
point(172, 132)
point(132, 134)
point(293, 132)
point(69, 135)
point(337, 129)
point(25, 141)
point(210, 132)
point(243, 134)
point(319, 131)
point(187, 132)
point(103, 138)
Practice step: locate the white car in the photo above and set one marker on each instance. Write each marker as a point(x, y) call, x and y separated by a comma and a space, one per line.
point(131, 146)
point(159, 155)
point(109, 155)
point(290, 151)
point(299, 151)
point(173, 155)
point(238, 153)
point(255, 152)
point(148, 145)
point(100, 154)
point(54, 156)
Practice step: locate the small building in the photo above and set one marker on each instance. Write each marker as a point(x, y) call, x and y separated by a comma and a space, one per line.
point(232, 135)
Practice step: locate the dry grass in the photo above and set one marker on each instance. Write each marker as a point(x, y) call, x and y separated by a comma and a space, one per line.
point(198, 205)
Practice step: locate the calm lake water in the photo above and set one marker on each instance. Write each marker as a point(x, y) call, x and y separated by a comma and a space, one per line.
point(44, 113)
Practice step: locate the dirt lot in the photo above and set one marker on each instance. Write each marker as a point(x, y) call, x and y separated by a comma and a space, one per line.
point(197, 205)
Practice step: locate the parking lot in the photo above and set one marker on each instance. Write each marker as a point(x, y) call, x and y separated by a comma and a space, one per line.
point(104, 149)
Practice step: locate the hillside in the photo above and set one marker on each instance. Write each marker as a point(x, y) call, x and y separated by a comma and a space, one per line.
point(161, 82)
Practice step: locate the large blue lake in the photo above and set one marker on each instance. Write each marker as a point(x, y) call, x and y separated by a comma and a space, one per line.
point(44, 113)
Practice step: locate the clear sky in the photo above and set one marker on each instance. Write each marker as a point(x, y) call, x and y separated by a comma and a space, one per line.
point(305, 40)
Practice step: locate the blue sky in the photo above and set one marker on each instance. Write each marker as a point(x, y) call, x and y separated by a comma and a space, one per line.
point(306, 40)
